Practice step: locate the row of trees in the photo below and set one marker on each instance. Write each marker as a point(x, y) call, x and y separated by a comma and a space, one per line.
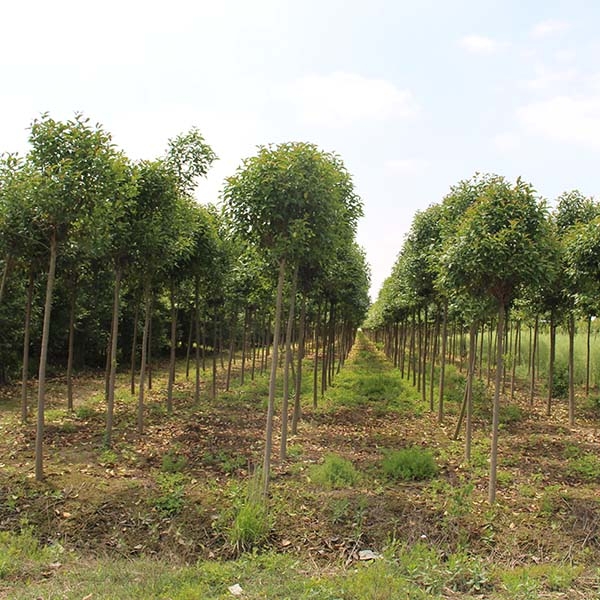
point(491, 250)
point(96, 247)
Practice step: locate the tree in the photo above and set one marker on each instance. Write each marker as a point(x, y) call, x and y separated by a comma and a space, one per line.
point(71, 168)
point(501, 243)
point(290, 200)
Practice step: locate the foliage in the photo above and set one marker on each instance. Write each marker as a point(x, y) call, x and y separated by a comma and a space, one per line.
point(170, 499)
point(252, 523)
point(413, 463)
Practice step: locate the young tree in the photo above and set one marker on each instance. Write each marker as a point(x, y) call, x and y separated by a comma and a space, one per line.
point(502, 242)
point(71, 166)
point(291, 200)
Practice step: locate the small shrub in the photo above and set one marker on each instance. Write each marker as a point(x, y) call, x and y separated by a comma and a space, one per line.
point(410, 464)
point(560, 382)
point(336, 472)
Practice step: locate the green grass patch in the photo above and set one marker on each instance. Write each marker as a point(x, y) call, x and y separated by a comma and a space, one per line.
point(410, 464)
point(335, 472)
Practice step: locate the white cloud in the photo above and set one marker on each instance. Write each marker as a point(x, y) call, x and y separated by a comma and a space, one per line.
point(572, 119)
point(407, 166)
point(546, 78)
point(506, 141)
point(549, 27)
point(480, 44)
point(341, 99)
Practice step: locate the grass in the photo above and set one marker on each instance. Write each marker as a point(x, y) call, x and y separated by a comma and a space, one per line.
point(171, 515)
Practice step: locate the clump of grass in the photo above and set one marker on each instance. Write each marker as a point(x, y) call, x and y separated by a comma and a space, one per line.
point(85, 412)
point(510, 413)
point(335, 472)
point(251, 524)
point(410, 464)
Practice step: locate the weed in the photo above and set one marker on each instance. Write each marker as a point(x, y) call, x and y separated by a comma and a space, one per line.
point(172, 462)
point(509, 414)
point(108, 457)
point(335, 472)
point(586, 466)
point(170, 501)
point(560, 382)
point(85, 412)
point(504, 478)
point(410, 464)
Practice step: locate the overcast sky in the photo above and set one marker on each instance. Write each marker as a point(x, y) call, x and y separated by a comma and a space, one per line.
point(414, 96)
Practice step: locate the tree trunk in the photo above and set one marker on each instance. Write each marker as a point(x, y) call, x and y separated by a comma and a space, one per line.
point(188, 351)
point(244, 344)
point(515, 359)
point(147, 319)
point(316, 358)
point(39, 437)
point(298, 391)
point(534, 351)
point(114, 330)
point(443, 363)
point(197, 349)
point(551, 363)
point(71, 345)
point(232, 334)
point(587, 357)
point(173, 350)
point(216, 344)
point(434, 354)
point(26, 343)
point(496, 405)
point(273, 380)
point(286, 369)
point(134, 344)
point(571, 369)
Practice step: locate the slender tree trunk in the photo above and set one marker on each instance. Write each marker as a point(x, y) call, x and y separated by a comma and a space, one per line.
point(470, 378)
point(173, 350)
point(516, 353)
point(571, 369)
point(216, 344)
point(231, 349)
point(424, 362)
point(71, 345)
point(114, 330)
point(39, 437)
point(298, 391)
point(136, 315)
point(145, 336)
point(197, 349)
point(149, 355)
point(587, 356)
point(551, 364)
point(496, 405)
point(534, 351)
point(434, 355)
point(443, 363)
point(286, 369)
point(244, 344)
point(26, 344)
point(188, 351)
point(273, 380)
point(316, 359)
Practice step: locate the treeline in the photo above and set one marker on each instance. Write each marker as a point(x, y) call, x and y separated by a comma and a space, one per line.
point(487, 263)
point(110, 263)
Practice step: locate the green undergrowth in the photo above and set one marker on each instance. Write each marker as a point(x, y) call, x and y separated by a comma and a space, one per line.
point(368, 379)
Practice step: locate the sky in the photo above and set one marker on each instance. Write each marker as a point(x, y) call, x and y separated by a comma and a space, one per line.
point(413, 96)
